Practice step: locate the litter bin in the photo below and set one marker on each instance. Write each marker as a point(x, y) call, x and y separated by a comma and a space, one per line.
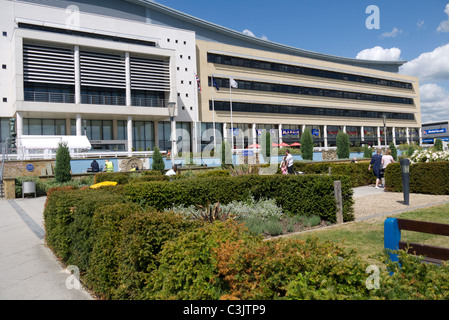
point(28, 187)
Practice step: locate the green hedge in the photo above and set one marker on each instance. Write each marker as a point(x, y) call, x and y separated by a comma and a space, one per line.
point(297, 195)
point(426, 178)
point(124, 252)
point(357, 172)
point(125, 177)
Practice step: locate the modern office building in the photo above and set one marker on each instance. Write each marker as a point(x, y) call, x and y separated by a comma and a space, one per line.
point(435, 130)
point(109, 69)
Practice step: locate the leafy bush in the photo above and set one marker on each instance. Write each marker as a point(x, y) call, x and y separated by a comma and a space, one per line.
point(187, 269)
point(367, 151)
point(427, 178)
point(62, 167)
point(307, 145)
point(158, 160)
point(343, 145)
point(297, 195)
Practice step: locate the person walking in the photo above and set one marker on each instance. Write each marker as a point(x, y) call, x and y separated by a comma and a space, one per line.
point(376, 163)
point(386, 160)
point(289, 161)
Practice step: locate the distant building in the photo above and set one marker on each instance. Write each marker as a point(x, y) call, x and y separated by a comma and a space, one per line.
point(435, 130)
point(108, 69)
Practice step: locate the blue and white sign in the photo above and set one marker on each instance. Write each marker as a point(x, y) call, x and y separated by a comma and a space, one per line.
point(434, 131)
point(315, 132)
point(29, 167)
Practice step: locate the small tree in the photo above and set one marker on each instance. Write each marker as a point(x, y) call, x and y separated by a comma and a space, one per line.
point(307, 145)
point(394, 151)
point(266, 147)
point(438, 145)
point(367, 151)
point(158, 161)
point(62, 167)
point(343, 145)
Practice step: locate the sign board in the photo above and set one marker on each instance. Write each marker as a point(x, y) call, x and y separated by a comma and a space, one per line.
point(434, 131)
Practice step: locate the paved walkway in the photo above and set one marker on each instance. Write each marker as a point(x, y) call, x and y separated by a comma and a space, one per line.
point(30, 271)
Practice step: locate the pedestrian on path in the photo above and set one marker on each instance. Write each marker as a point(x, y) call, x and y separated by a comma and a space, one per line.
point(289, 161)
point(376, 163)
point(387, 158)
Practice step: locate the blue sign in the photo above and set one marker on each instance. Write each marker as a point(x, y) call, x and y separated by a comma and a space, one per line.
point(247, 153)
point(433, 131)
point(315, 132)
point(29, 167)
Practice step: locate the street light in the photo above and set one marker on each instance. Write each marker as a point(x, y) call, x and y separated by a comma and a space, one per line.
point(385, 130)
point(171, 110)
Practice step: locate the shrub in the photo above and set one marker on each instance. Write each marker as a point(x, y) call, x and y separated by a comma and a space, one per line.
point(427, 178)
point(438, 146)
point(62, 167)
point(143, 237)
point(297, 195)
point(158, 160)
point(367, 151)
point(266, 146)
point(307, 145)
point(187, 268)
point(289, 269)
point(343, 145)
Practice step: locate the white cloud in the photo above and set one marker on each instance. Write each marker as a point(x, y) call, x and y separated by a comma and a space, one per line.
point(420, 24)
point(444, 26)
point(434, 103)
point(430, 66)
point(380, 54)
point(392, 34)
point(251, 34)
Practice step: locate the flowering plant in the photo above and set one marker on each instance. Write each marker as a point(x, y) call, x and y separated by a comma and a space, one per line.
point(429, 155)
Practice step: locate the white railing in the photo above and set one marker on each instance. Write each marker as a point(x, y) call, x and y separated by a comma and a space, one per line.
point(49, 97)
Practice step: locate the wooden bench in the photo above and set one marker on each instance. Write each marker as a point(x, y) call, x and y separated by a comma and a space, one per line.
point(431, 254)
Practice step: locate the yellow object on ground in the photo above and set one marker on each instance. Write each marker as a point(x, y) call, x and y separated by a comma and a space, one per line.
point(103, 184)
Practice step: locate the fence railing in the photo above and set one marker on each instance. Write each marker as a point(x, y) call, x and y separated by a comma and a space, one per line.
point(49, 97)
point(149, 102)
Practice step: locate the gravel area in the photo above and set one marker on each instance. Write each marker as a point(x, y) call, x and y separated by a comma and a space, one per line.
point(372, 203)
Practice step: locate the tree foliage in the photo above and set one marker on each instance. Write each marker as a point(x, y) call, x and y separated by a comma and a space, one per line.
point(307, 145)
point(158, 161)
point(63, 168)
point(343, 145)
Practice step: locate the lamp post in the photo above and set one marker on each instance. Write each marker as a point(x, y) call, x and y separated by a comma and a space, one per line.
point(385, 131)
point(171, 110)
point(405, 173)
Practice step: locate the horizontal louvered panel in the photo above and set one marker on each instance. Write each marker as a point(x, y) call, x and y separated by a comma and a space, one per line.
point(48, 64)
point(102, 70)
point(150, 74)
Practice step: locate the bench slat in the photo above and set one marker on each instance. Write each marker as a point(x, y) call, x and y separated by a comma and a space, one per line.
point(432, 252)
point(426, 227)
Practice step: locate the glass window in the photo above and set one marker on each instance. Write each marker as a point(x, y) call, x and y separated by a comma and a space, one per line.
point(122, 130)
point(48, 127)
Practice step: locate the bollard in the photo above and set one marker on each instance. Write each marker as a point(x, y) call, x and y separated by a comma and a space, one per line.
point(405, 171)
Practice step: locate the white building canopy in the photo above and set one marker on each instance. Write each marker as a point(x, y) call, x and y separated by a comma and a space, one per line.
point(52, 142)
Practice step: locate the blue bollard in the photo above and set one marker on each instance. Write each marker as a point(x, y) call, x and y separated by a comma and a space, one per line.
point(392, 236)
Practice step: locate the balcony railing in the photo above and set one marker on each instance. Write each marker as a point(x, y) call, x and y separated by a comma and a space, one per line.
point(149, 102)
point(93, 99)
point(49, 97)
point(103, 100)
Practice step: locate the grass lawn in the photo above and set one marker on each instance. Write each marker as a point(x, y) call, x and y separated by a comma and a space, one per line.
point(367, 237)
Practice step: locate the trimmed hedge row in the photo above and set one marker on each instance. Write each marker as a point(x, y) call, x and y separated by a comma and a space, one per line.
point(297, 195)
point(357, 172)
point(427, 178)
point(124, 252)
point(125, 177)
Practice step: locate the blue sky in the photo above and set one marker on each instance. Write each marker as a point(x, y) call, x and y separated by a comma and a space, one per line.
point(413, 30)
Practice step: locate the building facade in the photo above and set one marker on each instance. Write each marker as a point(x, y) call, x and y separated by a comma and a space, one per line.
point(109, 69)
point(435, 130)
point(72, 69)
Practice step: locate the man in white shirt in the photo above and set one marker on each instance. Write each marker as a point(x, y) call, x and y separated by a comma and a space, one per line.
point(289, 161)
point(172, 171)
